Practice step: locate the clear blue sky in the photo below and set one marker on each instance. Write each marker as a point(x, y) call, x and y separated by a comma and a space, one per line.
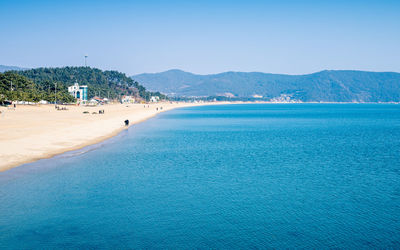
point(293, 37)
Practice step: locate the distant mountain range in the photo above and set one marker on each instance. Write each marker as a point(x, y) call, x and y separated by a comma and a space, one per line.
point(327, 86)
point(4, 68)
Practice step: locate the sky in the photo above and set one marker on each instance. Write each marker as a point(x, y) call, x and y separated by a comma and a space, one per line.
point(203, 37)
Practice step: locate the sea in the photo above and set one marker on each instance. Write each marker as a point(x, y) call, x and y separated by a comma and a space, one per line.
point(242, 176)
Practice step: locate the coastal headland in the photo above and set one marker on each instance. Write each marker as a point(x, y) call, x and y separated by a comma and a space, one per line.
point(29, 133)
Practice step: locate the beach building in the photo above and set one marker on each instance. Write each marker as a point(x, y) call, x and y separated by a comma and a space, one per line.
point(78, 91)
point(154, 99)
point(97, 101)
point(128, 99)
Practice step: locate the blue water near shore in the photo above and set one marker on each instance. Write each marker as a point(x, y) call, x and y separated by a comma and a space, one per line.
point(232, 176)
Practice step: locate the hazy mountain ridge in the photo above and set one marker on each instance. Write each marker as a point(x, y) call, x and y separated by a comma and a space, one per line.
point(328, 85)
point(4, 68)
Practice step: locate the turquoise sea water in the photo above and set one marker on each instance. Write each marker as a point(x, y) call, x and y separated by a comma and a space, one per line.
point(233, 176)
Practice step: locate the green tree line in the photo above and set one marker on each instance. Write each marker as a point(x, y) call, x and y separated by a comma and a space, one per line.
point(15, 87)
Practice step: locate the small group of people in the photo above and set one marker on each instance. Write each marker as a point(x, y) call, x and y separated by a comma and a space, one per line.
point(12, 107)
point(148, 106)
point(101, 111)
point(60, 108)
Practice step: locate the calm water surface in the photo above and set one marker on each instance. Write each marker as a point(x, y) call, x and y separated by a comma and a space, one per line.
point(234, 176)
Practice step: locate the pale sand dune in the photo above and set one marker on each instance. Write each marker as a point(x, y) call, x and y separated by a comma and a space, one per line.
point(29, 133)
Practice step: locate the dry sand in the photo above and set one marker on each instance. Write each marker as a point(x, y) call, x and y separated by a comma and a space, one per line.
point(29, 133)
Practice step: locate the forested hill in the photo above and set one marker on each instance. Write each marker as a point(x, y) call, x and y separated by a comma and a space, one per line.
point(328, 85)
point(110, 84)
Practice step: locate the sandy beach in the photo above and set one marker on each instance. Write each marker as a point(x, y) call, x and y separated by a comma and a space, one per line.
point(29, 133)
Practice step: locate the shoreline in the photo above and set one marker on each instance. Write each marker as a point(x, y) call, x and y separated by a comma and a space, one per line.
point(38, 138)
point(19, 146)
